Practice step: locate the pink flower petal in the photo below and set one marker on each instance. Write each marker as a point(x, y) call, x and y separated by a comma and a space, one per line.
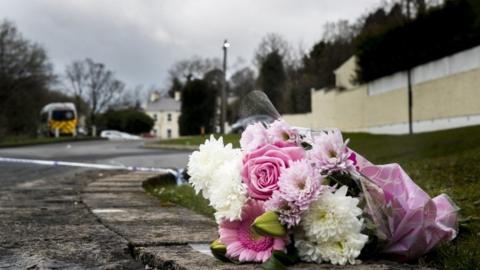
point(241, 243)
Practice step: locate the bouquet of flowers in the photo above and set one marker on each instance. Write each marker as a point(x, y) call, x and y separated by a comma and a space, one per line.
point(291, 194)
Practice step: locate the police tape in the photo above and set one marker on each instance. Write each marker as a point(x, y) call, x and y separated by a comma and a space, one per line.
point(89, 165)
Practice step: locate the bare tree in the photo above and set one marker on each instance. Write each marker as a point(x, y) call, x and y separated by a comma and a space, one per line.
point(189, 69)
point(272, 42)
point(242, 81)
point(134, 97)
point(95, 84)
point(340, 30)
point(193, 68)
point(77, 76)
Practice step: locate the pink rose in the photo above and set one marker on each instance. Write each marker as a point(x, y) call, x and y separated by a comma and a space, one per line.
point(262, 167)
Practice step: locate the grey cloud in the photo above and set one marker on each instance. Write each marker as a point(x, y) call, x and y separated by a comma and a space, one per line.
point(140, 40)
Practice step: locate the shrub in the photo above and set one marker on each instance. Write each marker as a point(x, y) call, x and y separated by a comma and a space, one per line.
point(127, 120)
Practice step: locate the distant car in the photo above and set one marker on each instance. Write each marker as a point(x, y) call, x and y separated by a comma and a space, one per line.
point(241, 124)
point(118, 135)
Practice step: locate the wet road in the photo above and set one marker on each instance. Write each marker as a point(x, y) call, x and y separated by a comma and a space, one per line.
point(43, 222)
point(130, 153)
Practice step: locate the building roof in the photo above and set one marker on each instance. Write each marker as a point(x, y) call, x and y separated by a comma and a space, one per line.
point(164, 104)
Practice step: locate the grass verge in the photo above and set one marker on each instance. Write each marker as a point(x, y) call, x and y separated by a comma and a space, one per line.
point(197, 140)
point(169, 194)
point(439, 162)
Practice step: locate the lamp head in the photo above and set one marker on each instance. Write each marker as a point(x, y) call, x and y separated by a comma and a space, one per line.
point(226, 44)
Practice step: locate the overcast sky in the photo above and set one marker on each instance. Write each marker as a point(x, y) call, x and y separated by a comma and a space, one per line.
point(141, 39)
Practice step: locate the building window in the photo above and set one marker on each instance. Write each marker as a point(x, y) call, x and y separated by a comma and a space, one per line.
point(155, 116)
point(169, 117)
point(169, 133)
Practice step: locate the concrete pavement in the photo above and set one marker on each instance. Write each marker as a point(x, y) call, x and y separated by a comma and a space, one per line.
point(45, 225)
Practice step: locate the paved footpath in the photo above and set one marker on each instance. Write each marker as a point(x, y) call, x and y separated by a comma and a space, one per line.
point(45, 225)
point(168, 237)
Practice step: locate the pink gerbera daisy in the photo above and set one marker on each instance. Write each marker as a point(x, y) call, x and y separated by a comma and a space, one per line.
point(243, 244)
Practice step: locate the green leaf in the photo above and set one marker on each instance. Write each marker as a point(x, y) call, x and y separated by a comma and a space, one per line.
point(273, 264)
point(280, 260)
point(268, 224)
point(286, 258)
point(219, 250)
point(306, 146)
point(345, 179)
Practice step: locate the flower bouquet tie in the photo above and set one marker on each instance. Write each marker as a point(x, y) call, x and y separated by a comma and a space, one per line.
point(290, 194)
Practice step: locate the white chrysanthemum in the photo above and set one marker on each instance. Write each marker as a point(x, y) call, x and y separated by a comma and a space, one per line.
point(332, 216)
point(332, 230)
point(203, 163)
point(307, 251)
point(341, 251)
point(228, 193)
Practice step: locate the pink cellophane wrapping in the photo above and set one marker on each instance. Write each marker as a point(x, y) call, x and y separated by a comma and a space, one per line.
point(415, 222)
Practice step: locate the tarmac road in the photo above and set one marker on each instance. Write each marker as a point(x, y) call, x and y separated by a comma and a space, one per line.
point(130, 153)
point(43, 222)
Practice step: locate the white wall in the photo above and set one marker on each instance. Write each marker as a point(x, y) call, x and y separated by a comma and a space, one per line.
point(446, 94)
point(447, 66)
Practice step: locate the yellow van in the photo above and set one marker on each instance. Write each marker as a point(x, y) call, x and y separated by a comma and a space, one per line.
point(59, 117)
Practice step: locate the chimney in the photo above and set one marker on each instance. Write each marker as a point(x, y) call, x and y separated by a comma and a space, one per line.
point(177, 95)
point(154, 96)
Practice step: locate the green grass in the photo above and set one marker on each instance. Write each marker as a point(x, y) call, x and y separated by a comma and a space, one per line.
point(197, 140)
point(25, 140)
point(165, 189)
point(439, 162)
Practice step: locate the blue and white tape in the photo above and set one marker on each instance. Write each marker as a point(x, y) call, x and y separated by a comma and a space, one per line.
point(87, 165)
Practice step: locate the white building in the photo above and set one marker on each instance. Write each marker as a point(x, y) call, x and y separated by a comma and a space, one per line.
point(166, 112)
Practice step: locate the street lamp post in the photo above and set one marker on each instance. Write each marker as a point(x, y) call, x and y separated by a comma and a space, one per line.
point(409, 86)
point(223, 113)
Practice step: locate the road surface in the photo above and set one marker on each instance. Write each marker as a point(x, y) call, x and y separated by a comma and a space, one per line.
point(110, 152)
point(43, 222)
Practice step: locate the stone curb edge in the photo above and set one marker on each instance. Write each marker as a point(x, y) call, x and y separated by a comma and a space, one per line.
point(164, 237)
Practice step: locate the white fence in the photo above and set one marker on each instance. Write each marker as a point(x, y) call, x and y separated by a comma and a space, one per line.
point(447, 66)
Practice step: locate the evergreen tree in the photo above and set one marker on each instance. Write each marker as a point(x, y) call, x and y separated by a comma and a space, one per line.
point(272, 79)
point(198, 108)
